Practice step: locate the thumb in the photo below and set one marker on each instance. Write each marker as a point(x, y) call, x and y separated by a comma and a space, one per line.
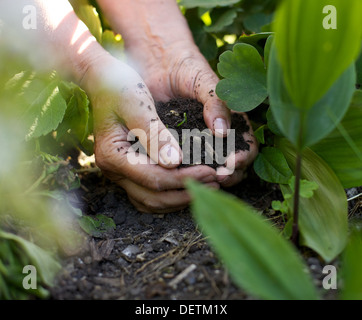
point(142, 120)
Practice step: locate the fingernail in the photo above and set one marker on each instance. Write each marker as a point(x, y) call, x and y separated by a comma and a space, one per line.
point(220, 127)
point(169, 155)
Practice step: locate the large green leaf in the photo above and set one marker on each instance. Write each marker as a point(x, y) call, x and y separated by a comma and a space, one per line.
point(306, 127)
point(271, 166)
point(207, 3)
point(259, 259)
point(312, 57)
point(244, 86)
point(322, 218)
point(342, 149)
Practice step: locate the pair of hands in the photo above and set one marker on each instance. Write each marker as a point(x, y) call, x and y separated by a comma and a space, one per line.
point(123, 99)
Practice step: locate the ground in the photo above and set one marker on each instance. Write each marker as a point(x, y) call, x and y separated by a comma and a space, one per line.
point(154, 256)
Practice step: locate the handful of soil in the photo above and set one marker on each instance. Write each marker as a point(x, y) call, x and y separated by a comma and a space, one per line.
point(182, 114)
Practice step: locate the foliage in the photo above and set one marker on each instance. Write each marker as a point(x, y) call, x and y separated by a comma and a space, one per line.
point(313, 105)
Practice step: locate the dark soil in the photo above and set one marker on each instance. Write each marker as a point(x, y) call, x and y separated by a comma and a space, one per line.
point(145, 255)
point(187, 114)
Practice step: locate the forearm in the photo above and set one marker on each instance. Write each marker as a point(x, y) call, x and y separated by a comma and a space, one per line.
point(59, 40)
point(148, 24)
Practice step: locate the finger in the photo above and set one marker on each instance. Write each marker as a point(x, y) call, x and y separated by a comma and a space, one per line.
point(158, 202)
point(124, 98)
point(155, 201)
point(195, 79)
point(230, 180)
point(118, 160)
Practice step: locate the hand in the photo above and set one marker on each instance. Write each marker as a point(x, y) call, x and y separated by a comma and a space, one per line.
point(179, 69)
point(160, 46)
point(122, 102)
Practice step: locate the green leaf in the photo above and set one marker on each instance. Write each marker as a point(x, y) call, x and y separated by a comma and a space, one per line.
point(45, 107)
point(312, 57)
point(257, 40)
point(306, 127)
point(76, 116)
point(258, 258)
point(255, 22)
point(46, 265)
point(244, 86)
point(351, 268)
point(207, 3)
point(96, 226)
point(323, 217)
point(342, 149)
point(224, 20)
point(307, 188)
point(271, 166)
point(259, 134)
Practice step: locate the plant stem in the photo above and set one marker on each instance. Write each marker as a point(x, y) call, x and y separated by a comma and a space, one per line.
point(298, 172)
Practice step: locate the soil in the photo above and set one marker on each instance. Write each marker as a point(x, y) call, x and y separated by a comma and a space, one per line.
point(187, 114)
point(160, 257)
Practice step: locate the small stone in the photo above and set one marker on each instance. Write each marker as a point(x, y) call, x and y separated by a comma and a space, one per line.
point(131, 250)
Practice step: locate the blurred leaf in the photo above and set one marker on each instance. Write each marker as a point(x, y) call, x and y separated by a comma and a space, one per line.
point(323, 217)
point(96, 226)
point(272, 125)
point(258, 258)
point(244, 86)
point(311, 64)
point(225, 19)
point(271, 166)
point(351, 268)
point(255, 22)
point(46, 265)
point(44, 107)
point(207, 3)
point(342, 149)
point(306, 127)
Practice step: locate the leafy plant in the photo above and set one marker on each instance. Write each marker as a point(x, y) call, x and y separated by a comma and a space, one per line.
point(311, 136)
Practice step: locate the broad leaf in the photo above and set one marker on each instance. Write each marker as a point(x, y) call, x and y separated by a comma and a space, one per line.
point(312, 57)
point(306, 127)
point(207, 3)
point(270, 165)
point(259, 259)
point(323, 217)
point(96, 226)
point(342, 149)
point(244, 86)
